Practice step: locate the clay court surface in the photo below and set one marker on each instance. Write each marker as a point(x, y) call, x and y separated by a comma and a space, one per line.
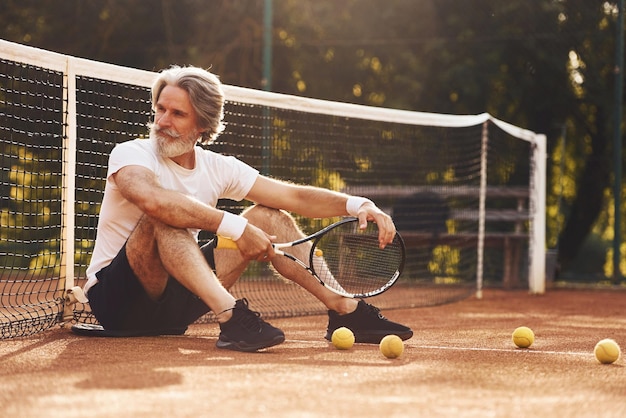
point(461, 362)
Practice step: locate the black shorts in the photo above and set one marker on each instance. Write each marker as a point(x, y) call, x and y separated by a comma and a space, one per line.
point(119, 301)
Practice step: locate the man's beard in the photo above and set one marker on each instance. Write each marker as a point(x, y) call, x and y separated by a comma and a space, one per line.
point(170, 143)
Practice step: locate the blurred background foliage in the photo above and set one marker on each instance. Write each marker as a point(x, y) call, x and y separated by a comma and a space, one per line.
point(545, 65)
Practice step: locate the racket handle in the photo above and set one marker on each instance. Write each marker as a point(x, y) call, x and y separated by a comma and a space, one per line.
point(224, 243)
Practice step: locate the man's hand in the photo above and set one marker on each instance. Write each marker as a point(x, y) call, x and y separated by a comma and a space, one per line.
point(255, 244)
point(386, 228)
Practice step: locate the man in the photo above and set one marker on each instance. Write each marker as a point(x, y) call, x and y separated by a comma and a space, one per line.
point(149, 276)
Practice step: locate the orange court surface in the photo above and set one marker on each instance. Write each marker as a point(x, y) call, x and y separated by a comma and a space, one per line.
point(461, 362)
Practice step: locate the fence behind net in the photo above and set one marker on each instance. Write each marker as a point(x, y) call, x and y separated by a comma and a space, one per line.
point(461, 194)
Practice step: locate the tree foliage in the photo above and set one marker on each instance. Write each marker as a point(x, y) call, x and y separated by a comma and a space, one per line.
point(547, 65)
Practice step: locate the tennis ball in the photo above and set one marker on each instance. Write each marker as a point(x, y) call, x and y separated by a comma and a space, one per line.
point(391, 346)
point(523, 337)
point(342, 338)
point(606, 351)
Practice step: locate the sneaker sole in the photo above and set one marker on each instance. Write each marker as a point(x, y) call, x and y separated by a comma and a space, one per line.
point(95, 330)
point(247, 347)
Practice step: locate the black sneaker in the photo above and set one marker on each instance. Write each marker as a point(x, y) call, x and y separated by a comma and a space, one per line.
point(367, 324)
point(246, 331)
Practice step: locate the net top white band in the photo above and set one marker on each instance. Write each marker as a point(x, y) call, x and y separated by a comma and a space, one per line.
point(59, 62)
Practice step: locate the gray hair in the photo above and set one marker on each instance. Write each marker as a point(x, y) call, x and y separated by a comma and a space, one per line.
point(205, 92)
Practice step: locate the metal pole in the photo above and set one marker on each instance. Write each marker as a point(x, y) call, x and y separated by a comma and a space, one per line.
point(480, 247)
point(617, 142)
point(68, 191)
point(267, 85)
point(267, 45)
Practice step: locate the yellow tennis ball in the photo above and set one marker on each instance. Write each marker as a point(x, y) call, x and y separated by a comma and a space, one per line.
point(342, 338)
point(391, 346)
point(607, 351)
point(318, 252)
point(523, 337)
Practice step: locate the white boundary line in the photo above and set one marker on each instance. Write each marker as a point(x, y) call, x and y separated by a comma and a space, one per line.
point(502, 350)
point(516, 351)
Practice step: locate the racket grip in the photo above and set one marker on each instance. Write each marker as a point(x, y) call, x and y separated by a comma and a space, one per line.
point(224, 243)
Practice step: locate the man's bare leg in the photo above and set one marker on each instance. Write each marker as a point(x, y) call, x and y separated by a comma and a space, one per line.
point(365, 320)
point(156, 251)
point(281, 224)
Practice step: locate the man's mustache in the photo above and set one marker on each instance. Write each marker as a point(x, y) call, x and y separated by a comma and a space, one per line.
point(169, 132)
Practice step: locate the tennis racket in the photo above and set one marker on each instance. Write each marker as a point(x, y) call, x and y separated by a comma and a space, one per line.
point(346, 259)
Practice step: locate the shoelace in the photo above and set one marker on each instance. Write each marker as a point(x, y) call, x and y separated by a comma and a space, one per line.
point(252, 319)
point(374, 311)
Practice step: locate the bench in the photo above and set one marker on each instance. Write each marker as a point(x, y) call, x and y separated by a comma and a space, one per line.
point(421, 214)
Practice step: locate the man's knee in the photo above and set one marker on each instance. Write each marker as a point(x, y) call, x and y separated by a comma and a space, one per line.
point(273, 221)
point(259, 214)
point(152, 228)
point(150, 234)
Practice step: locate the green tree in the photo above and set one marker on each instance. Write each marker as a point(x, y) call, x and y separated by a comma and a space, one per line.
point(590, 37)
point(546, 65)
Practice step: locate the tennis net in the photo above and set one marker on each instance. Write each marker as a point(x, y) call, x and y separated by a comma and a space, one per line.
point(466, 191)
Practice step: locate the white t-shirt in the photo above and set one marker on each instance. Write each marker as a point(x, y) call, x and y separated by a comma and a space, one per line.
point(214, 177)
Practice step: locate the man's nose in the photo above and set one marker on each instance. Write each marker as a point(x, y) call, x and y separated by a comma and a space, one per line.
point(163, 120)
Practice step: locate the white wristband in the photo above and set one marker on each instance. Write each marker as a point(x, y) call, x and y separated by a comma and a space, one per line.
point(232, 226)
point(354, 203)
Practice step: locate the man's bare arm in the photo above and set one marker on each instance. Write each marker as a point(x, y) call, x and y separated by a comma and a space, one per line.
point(314, 202)
point(141, 187)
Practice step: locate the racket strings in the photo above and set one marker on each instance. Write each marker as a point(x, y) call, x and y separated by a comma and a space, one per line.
point(351, 261)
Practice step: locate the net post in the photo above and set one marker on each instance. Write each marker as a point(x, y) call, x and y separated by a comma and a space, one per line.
point(480, 247)
point(68, 189)
point(536, 243)
point(267, 85)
